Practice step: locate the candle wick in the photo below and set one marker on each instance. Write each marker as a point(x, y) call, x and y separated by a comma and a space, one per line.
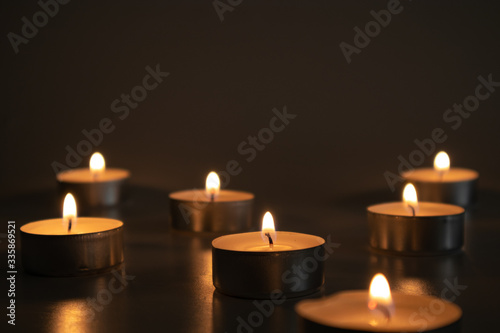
point(271, 244)
point(70, 222)
point(412, 210)
point(385, 311)
point(212, 196)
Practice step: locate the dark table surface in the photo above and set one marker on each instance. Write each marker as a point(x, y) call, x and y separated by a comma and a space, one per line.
point(357, 118)
point(169, 281)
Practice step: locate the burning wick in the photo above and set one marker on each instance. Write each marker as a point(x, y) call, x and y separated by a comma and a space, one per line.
point(410, 198)
point(380, 301)
point(271, 244)
point(97, 165)
point(212, 186)
point(412, 210)
point(69, 211)
point(441, 164)
point(374, 305)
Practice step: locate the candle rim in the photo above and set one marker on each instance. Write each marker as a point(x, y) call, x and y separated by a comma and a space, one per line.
point(258, 233)
point(460, 210)
point(79, 219)
point(177, 195)
point(123, 174)
point(410, 175)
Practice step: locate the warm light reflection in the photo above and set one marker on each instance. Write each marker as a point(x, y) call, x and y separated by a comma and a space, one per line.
point(268, 232)
point(442, 162)
point(72, 316)
point(69, 211)
point(380, 299)
point(413, 286)
point(410, 198)
point(212, 185)
point(97, 164)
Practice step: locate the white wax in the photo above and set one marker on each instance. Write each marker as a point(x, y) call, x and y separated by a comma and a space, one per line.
point(253, 242)
point(200, 195)
point(84, 175)
point(349, 310)
point(430, 175)
point(83, 225)
point(424, 209)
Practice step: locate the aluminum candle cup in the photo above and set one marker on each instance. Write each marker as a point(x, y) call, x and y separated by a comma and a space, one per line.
point(244, 266)
point(456, 186)
point(193, 210)
point(93, 246)
point(348, 312)
point(435, 229)
point(91, 191)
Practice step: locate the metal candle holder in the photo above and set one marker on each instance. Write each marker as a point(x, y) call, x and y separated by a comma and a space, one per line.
point(105, 192)
point(417, 235)
point(347, 312)
point(72, 254)
point(192, 211)
point(257, 275)
point(457, 192)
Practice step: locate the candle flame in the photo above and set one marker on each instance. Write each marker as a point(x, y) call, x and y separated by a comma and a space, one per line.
point(380, 299)
point(442, 162)
point(69, 211)
point(212, 185)
point(97, 164)
point(268, 232)
point(410, 198)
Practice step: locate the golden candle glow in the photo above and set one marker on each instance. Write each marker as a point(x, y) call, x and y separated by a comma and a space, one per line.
point(212, 185)
point(442, 162)
point(268, 232)
point(69, 211)
point(380, 297)
point(97, 164)
point(410, 198)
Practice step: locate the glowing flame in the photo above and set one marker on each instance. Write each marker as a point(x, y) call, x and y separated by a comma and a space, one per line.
point(97, 164)
point(69, 211)
point(380, 298)
point(410, 198)
point(268, 232)
point(442, 162)
point(212, 185)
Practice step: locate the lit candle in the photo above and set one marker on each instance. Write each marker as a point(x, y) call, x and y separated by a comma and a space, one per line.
point(73, 245)
point(211, 209)
point(95, 185)
point(256, 264)
point(456, 186)
point(416, 228)
point(378, 310)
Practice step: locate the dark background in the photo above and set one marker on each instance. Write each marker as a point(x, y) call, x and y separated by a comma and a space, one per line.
point(353, 121)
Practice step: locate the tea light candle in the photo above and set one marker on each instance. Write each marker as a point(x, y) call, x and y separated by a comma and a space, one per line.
point(416, 228)
point(378, 310)
point(211, 209)
point(258, 264)
point(71, 246)
point(456, 186)
point(96, 185)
